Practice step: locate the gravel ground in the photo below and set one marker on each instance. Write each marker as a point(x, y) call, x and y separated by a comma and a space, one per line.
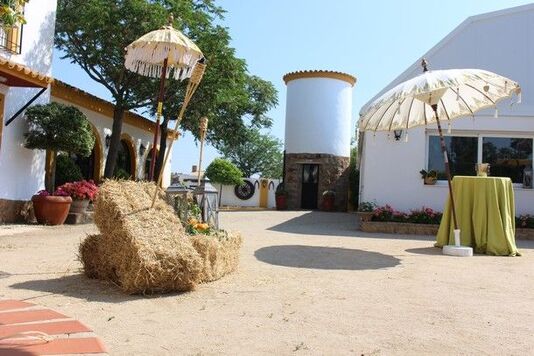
point(308, 283)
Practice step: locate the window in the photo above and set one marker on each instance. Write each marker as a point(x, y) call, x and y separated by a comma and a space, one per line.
point(11, 39)
point(507, 156)
point(462, 155)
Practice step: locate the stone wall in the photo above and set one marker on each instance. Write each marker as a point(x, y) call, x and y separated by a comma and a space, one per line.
point(16, 211)
point(333, 175)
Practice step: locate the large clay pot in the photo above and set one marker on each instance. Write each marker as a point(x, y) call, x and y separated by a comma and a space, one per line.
point(79, 206)
point(51, 210)
point(329, 202)
point(281, 203)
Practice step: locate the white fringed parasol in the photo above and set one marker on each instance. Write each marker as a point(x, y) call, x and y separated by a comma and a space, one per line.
point(158, 54)
point(147, 54)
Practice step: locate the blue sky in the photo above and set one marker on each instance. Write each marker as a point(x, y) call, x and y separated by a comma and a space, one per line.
point(372, 40)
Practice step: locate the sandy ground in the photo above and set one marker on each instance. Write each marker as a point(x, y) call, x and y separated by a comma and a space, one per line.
point(308, 283)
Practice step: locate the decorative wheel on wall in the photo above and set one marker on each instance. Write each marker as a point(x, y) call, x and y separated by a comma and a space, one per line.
point(244, 191)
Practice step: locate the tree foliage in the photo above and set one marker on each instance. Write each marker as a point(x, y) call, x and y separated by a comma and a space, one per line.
point(94, 33)
point(224, 172)
point(257, 153)
point(59, 127)
point(12, 12)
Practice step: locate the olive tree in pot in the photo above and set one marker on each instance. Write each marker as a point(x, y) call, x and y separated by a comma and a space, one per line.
point(223, 172)
point(57, 128)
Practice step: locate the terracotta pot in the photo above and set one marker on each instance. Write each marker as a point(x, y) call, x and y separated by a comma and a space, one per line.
point(79, 206)
point(329, 202)
point(281, 202)
point(51, 210)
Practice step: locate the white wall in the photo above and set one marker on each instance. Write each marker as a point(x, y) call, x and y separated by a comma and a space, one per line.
point(22, 170)
point(229, 198)
point(318, 116)
point(502, 44)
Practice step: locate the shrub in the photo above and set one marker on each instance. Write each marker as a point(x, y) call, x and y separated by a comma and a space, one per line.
point(425, 216)
point(67, 170)
point(525, 221)
point(417, 216)
point(367, 206)
point(58, 128)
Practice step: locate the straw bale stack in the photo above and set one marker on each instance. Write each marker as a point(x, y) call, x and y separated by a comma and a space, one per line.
point(146, 250)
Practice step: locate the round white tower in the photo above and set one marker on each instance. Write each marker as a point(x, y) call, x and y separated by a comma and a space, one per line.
point(317, 137)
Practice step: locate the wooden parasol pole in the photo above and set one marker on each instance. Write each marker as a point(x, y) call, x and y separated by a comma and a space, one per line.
point(158, 117)
point(192, 86)
point(203, 129)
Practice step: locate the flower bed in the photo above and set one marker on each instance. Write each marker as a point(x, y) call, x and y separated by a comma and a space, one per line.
point(398, 228)
point(425, 221)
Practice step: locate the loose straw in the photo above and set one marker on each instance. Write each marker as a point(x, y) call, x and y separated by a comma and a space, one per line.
point(192, 86)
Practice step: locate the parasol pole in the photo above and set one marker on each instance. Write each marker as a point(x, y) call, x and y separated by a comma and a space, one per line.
point(424, 63)
point(447, 168)
point(192, 86)
point(158, 117)
point(203, 129)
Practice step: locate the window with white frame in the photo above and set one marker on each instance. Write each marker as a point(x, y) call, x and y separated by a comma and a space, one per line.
point(462, 155)
point(508, 156)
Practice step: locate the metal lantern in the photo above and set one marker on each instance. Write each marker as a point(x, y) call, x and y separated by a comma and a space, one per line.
point(207, 198)
point(178, 196)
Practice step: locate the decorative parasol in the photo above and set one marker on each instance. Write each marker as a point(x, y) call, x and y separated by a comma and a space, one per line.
point(423, 100)
point(161, 54)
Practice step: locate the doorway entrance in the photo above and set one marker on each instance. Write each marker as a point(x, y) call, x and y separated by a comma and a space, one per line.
point(310, 186)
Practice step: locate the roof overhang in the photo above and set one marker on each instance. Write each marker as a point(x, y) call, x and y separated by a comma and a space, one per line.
point(17, 75)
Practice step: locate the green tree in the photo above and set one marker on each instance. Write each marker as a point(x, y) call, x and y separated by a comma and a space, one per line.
point(58, 128)
point(354, 178)
point(223, 172)
point(12, 13)
point(94, 33)
point(257, 153)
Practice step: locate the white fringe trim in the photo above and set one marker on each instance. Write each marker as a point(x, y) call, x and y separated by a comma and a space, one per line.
point(149, 62)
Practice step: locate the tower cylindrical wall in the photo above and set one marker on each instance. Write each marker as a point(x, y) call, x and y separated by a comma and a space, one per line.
point(318, 116)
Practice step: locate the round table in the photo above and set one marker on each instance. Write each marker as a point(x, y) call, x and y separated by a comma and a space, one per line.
point(486, 215)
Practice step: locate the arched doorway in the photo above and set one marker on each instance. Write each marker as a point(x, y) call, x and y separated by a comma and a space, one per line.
point(148, 161)
point(125, 167)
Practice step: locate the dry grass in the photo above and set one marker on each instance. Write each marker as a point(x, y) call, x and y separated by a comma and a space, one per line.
point(219, 256)
point(146, 250)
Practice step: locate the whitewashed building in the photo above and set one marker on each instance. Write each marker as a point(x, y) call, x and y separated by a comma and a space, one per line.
point(26, 79)
point(500, 42)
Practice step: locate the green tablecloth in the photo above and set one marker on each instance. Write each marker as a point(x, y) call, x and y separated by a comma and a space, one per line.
point(486, 215)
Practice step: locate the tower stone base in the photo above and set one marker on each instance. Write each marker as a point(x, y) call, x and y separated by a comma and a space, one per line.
point(333, 175)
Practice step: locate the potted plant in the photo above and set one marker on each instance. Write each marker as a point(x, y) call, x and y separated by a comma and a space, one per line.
point(51, 209)
point(223, 172)
point(281, 197)
point(365, 210)
point(58, 128)
point(430, 177)
point(329, 200)
point(81, 192)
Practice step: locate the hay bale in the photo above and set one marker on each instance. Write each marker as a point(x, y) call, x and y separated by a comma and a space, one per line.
point(95, 259)
point(147, 249)
point(220, 255)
